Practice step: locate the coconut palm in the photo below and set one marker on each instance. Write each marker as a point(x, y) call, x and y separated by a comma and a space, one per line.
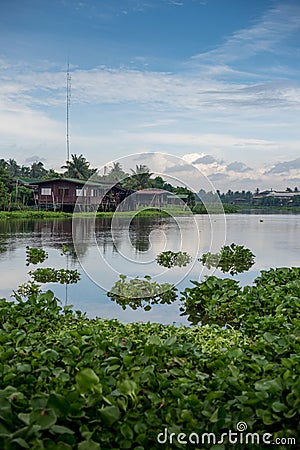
point(37, 170)
point(140, 178)
point(13, 168)
point(116, 172)
point(78, 167)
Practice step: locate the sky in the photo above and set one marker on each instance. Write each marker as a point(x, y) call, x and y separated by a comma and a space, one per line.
point(214, 83)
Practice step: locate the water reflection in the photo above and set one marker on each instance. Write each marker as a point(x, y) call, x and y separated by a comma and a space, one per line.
point(141, 229)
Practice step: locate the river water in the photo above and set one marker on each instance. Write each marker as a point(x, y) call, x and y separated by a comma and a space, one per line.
point(106, 249)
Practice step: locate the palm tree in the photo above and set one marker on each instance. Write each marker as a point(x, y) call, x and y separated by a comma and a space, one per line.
point(78, 167)
point(25, 171)
point(13, 168)
point(116, 172)
point(140, 178)
point(37, 170)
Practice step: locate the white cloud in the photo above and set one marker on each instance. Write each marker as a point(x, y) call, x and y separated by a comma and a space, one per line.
point(27, 123)
point(221, 175)
point(276, 25)
point(159, 90)
point(209, 109)
point(217, 141)
point(157, 123)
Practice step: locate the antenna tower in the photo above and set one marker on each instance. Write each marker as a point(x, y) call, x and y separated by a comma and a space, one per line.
point(68, 110)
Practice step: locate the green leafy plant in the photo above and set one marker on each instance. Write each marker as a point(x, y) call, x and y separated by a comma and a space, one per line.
point(272, 301)
point(51, 275)
point(170, 259)
point(232, 258)
point(69, 382)
point(28, 288)
point(211, 301)
point(143, 292)
point(35, 255)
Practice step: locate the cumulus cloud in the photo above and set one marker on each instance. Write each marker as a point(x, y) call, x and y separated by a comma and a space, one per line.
point(218, 176)
point(285, 166)
point(179, 168)
point(207, 159)
point(237, 176)
point(237, 166)
point(34, 158)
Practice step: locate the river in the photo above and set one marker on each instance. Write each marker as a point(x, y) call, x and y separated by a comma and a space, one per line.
point(106, 249)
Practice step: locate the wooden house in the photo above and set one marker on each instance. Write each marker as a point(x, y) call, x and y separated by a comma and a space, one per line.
point(62, 194)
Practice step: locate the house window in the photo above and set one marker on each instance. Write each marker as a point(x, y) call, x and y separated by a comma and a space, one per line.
point(95, 193)
point(80, 192)
point(46, 191)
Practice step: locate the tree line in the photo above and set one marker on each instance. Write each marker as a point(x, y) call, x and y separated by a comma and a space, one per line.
point(13, 194)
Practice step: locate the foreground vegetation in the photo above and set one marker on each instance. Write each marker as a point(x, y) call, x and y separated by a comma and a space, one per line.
point(67, 382)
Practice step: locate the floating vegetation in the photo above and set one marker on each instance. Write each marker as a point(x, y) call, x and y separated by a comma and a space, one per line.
point(35, 255)
point(171, 259)
point(232, 259)
point(141, 292)
point(51, 275)
point(65, 250)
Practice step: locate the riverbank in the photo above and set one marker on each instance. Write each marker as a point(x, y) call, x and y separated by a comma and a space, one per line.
point(269, 209)
point(48, 215)
point(151, 212)
point(172, 211)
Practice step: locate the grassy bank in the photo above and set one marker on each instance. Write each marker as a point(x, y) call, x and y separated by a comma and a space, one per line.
point(198, 209)
point(30, 215)
point(33, 214)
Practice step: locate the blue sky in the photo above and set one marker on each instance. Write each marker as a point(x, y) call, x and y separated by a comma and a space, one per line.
point(211, 81)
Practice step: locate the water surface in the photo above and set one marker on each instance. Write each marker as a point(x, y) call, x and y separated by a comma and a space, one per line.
point(131, 249)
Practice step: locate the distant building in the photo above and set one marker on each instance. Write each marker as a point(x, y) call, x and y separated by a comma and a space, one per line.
point(280, 197)
point(149, 198)
point(157, 198)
